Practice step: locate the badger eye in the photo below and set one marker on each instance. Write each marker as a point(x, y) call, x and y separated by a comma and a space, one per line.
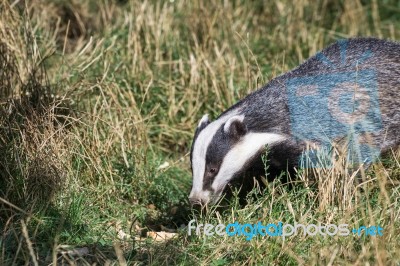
point(213, 170)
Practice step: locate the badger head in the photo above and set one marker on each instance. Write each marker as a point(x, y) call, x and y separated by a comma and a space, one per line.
point(222, 150)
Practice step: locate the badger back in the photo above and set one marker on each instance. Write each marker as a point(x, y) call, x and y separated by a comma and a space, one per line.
point(351, 85)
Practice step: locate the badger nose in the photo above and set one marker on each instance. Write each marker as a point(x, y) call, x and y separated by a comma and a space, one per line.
point(199, 198)
point(196, 202)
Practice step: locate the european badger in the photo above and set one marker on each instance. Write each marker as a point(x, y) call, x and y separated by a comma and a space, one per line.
point(350, 89)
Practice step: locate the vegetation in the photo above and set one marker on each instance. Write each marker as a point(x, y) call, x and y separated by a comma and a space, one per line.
point(98, 104)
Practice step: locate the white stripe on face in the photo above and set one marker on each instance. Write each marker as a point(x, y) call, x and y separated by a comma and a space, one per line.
point(237, 157)
point(199, 153)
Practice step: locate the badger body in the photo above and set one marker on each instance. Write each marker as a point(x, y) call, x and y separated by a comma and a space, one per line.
point(351, 88)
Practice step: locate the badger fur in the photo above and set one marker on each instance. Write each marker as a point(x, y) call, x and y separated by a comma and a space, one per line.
point(352, 85)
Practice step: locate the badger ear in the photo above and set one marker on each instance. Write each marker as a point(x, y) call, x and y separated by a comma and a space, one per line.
point(235, 126)
point(204, 121)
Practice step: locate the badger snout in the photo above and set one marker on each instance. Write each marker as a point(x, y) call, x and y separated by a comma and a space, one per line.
point(199, 199)
point(197, 202)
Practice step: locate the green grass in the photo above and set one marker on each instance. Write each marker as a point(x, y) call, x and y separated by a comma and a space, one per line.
point(97, 95)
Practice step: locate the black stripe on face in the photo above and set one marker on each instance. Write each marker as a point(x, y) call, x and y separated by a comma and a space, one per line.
point(219, 146)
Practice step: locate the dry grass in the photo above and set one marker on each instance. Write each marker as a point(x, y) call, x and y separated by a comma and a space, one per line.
point(33, 125)
point(96, 96)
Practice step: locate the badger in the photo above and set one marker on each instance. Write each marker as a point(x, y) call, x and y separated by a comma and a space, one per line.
point(351, 89)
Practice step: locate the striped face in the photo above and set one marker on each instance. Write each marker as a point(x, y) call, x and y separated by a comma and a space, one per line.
point(222, 150)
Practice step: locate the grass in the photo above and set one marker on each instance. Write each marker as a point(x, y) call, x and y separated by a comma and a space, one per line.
point(98, 104)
